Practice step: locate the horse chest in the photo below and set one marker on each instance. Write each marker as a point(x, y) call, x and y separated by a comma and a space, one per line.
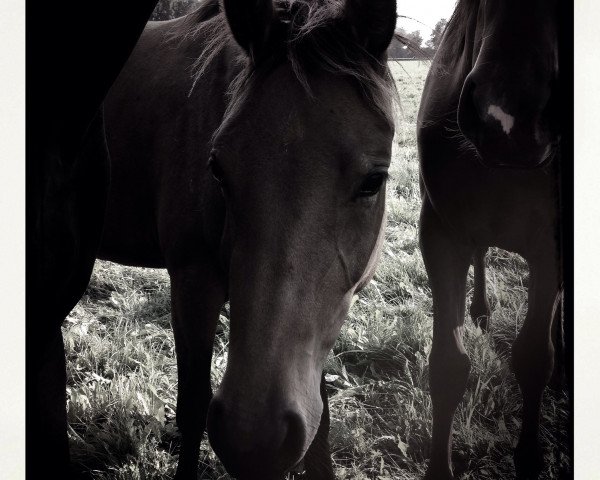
point(492, 207)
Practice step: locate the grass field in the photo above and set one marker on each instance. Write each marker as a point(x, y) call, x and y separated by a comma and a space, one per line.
point(122, 373)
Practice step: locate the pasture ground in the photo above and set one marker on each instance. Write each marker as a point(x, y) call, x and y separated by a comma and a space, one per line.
point(122, 372)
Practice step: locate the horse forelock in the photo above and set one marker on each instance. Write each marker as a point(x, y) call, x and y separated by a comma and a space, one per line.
point(315, 39)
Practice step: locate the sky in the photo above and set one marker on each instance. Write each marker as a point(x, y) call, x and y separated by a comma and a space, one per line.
point(426, 11)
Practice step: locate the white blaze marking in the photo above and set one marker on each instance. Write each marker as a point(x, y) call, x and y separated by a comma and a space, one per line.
point(504, 118)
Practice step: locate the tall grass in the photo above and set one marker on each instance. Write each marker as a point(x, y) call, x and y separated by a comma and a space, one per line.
point(122, 371)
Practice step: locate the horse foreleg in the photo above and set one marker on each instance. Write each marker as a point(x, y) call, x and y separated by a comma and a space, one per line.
point(68, 206)
point(447, 263)
point(533, 360)
point(480, 307)
point(317, 460)
point(196, 297)
point(47, 441)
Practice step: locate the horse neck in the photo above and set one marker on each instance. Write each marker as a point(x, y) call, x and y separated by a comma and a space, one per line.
point(453, 62)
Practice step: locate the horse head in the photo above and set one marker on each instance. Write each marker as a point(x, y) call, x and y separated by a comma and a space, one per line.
point(508, 103)
point(301, 158)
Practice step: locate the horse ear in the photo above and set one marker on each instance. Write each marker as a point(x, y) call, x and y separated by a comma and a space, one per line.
point(251, 22)
point(373, 23)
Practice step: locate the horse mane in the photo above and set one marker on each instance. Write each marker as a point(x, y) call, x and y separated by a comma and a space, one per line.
point(456, 27)
point(316, 40)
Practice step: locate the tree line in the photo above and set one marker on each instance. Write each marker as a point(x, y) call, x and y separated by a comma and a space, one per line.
point(414, 47)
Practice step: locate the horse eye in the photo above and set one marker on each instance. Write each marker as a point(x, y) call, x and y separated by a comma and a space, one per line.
point(215, 169)
point(372, 184)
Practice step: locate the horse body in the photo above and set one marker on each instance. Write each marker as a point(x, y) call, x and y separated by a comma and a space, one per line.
point(164, 189)
point(262, 187)
point(488, 146)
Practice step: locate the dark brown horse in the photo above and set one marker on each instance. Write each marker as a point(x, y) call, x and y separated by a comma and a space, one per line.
point(250, 145)
point(488, 136)
point(75, 51)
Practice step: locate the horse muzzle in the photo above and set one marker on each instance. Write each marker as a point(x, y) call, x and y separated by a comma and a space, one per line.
point(259, 443)
point(491, 155)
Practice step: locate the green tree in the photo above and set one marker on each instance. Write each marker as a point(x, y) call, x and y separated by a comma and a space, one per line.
point(416, 40)
point(411, 47)
point(436, 35)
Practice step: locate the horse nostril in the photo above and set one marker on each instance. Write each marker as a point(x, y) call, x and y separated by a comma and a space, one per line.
point(295, 436)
